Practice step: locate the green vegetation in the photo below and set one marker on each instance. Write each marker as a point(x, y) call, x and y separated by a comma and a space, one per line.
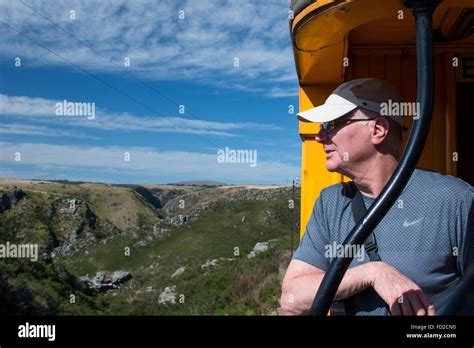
point(113, 228)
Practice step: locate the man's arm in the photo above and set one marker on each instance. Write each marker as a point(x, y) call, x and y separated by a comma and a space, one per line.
point(302, 281)
point(403, 296)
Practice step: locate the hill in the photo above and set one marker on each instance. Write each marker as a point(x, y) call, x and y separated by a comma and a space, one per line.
point(200, 183)
point(152, 249)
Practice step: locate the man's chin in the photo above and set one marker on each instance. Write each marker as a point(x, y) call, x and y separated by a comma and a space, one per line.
point(337, 169)
point(331, 167)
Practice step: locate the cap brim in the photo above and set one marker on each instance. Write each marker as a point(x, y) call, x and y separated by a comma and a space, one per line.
point(325, 112)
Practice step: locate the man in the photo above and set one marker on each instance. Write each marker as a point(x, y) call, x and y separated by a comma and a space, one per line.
point(425, 241)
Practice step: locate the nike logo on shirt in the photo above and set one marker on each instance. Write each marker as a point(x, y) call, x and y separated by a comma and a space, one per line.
point(406, 223)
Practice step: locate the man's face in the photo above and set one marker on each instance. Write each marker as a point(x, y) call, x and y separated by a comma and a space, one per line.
point(348, 144)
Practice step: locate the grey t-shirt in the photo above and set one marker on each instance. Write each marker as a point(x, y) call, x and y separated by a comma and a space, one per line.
point(427, 235)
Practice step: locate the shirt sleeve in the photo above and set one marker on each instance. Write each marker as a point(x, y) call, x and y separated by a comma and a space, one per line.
point(316, 238)
point(465, 232)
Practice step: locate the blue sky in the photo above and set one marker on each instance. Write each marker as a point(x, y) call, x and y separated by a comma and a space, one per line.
point(75, 51)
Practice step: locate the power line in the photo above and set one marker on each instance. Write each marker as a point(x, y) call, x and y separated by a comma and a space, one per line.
point(120, 68)
point(102, 81)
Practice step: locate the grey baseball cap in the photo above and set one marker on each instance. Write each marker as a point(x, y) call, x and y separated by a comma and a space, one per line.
point(367, 93)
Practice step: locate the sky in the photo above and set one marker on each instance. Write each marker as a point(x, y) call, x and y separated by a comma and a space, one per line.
point(169, 85)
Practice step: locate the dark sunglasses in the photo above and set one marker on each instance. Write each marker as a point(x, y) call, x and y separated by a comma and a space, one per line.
point(338, 122)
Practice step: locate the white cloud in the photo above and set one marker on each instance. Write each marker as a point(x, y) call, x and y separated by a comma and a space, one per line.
point(143, 162)
point(43, 110)
point(279, 92)
point(26, 106)
point(201, 48)
point(26, 129)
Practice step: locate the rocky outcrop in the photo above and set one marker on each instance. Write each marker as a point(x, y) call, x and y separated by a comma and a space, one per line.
point(104, 281)
point(70, 207)
point(178, 272)
point(168, 295)
point(80, 218)
point(214, 262)
point(119, 277)
point(261, 247)
point(144, 242)
point(209, 264)
point(10, 198)
point(160, 231)
point(177, 220)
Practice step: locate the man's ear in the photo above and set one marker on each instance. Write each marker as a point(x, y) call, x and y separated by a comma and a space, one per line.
point(379, 131)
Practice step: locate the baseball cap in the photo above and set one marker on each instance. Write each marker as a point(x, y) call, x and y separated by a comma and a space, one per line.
point(367, 93)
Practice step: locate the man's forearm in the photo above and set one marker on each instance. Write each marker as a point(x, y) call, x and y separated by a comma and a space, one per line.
point(298, 298)
point(355, 280)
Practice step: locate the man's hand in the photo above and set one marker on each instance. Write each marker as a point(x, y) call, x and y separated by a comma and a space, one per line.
point(402, 295)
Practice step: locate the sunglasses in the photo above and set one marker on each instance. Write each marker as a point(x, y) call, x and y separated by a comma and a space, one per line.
point(338, 122)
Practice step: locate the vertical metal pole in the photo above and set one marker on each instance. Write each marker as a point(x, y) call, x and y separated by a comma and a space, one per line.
point(293, 219)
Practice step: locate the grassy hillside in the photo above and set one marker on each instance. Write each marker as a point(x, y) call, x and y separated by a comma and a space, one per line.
point(204, 233)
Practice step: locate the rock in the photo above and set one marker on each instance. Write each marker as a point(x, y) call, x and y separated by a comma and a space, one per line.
point(178, 272)
point(103, 281)
point(148, 289)
point(119, 277)
point(100, 283)
point(210, 263)
point(99, 278)
point(159, 231)
point(106, 287)
point(177, 220)
point(84, 283)
point(74, 235)
point(10, 198)
point(84, 279)
point(260, 247)
point(72, 205)
point(142, 243)
point(168, 295)
point(16, 196)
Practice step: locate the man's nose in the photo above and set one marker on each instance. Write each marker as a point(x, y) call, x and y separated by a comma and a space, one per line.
point(322, 135)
